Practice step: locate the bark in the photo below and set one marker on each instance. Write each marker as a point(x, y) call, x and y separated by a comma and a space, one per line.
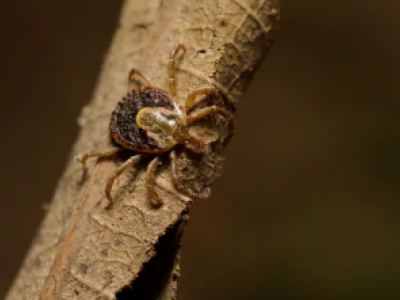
point(85, 251)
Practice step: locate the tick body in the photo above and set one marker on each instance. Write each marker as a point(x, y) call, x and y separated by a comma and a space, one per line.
point(148, 121)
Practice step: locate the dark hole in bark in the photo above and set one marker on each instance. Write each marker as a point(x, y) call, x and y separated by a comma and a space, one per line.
point(154, 277)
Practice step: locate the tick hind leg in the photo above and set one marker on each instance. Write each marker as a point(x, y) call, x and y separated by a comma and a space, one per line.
point(117, 172)
point(214, 110)
point(133, 74)
point(150, 178)
point(172, 61)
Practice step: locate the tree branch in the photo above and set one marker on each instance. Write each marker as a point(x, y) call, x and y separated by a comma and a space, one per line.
point(84, 251)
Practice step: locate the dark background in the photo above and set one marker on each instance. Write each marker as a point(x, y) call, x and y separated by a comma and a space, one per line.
point(309, 204)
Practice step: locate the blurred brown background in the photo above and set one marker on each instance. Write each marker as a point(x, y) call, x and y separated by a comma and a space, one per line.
point(309, 204)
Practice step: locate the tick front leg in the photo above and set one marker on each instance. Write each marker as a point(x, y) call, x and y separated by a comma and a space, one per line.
point(136, 73)
point(117, 172)
point(103, 153)
point(214, 110)
point(150, 178)
point(203, 91)
point(195, 144)
point(172, 61)
point(179, 184)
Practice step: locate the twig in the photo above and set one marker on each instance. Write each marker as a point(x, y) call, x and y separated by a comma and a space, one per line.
point(84, 251)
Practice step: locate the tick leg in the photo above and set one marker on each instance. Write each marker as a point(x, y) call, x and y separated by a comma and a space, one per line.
point(195, 145)
point(214, 110)
point(150, 178)
point(136, 73)
point(172, 60)
point(180, 185)
point(114, 175)
point(203, 91)
point(103, 153)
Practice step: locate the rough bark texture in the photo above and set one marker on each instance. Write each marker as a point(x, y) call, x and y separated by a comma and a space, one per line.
point(84, 251)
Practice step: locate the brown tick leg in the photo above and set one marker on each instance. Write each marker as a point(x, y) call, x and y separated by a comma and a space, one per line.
point(195, 145)
point(114, 175)
point(172, 60)
point(136, 73)
point(214, 110)
point(103, 153)
point(203, 91)
point(182, 187)
point(150, 178)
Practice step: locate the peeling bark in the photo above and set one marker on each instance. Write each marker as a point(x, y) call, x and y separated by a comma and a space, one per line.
point(84, 251)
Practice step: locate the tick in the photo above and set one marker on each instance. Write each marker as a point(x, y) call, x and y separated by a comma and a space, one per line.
point(149, 121)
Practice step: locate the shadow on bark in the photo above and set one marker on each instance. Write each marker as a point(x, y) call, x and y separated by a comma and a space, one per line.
point(153, 279)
